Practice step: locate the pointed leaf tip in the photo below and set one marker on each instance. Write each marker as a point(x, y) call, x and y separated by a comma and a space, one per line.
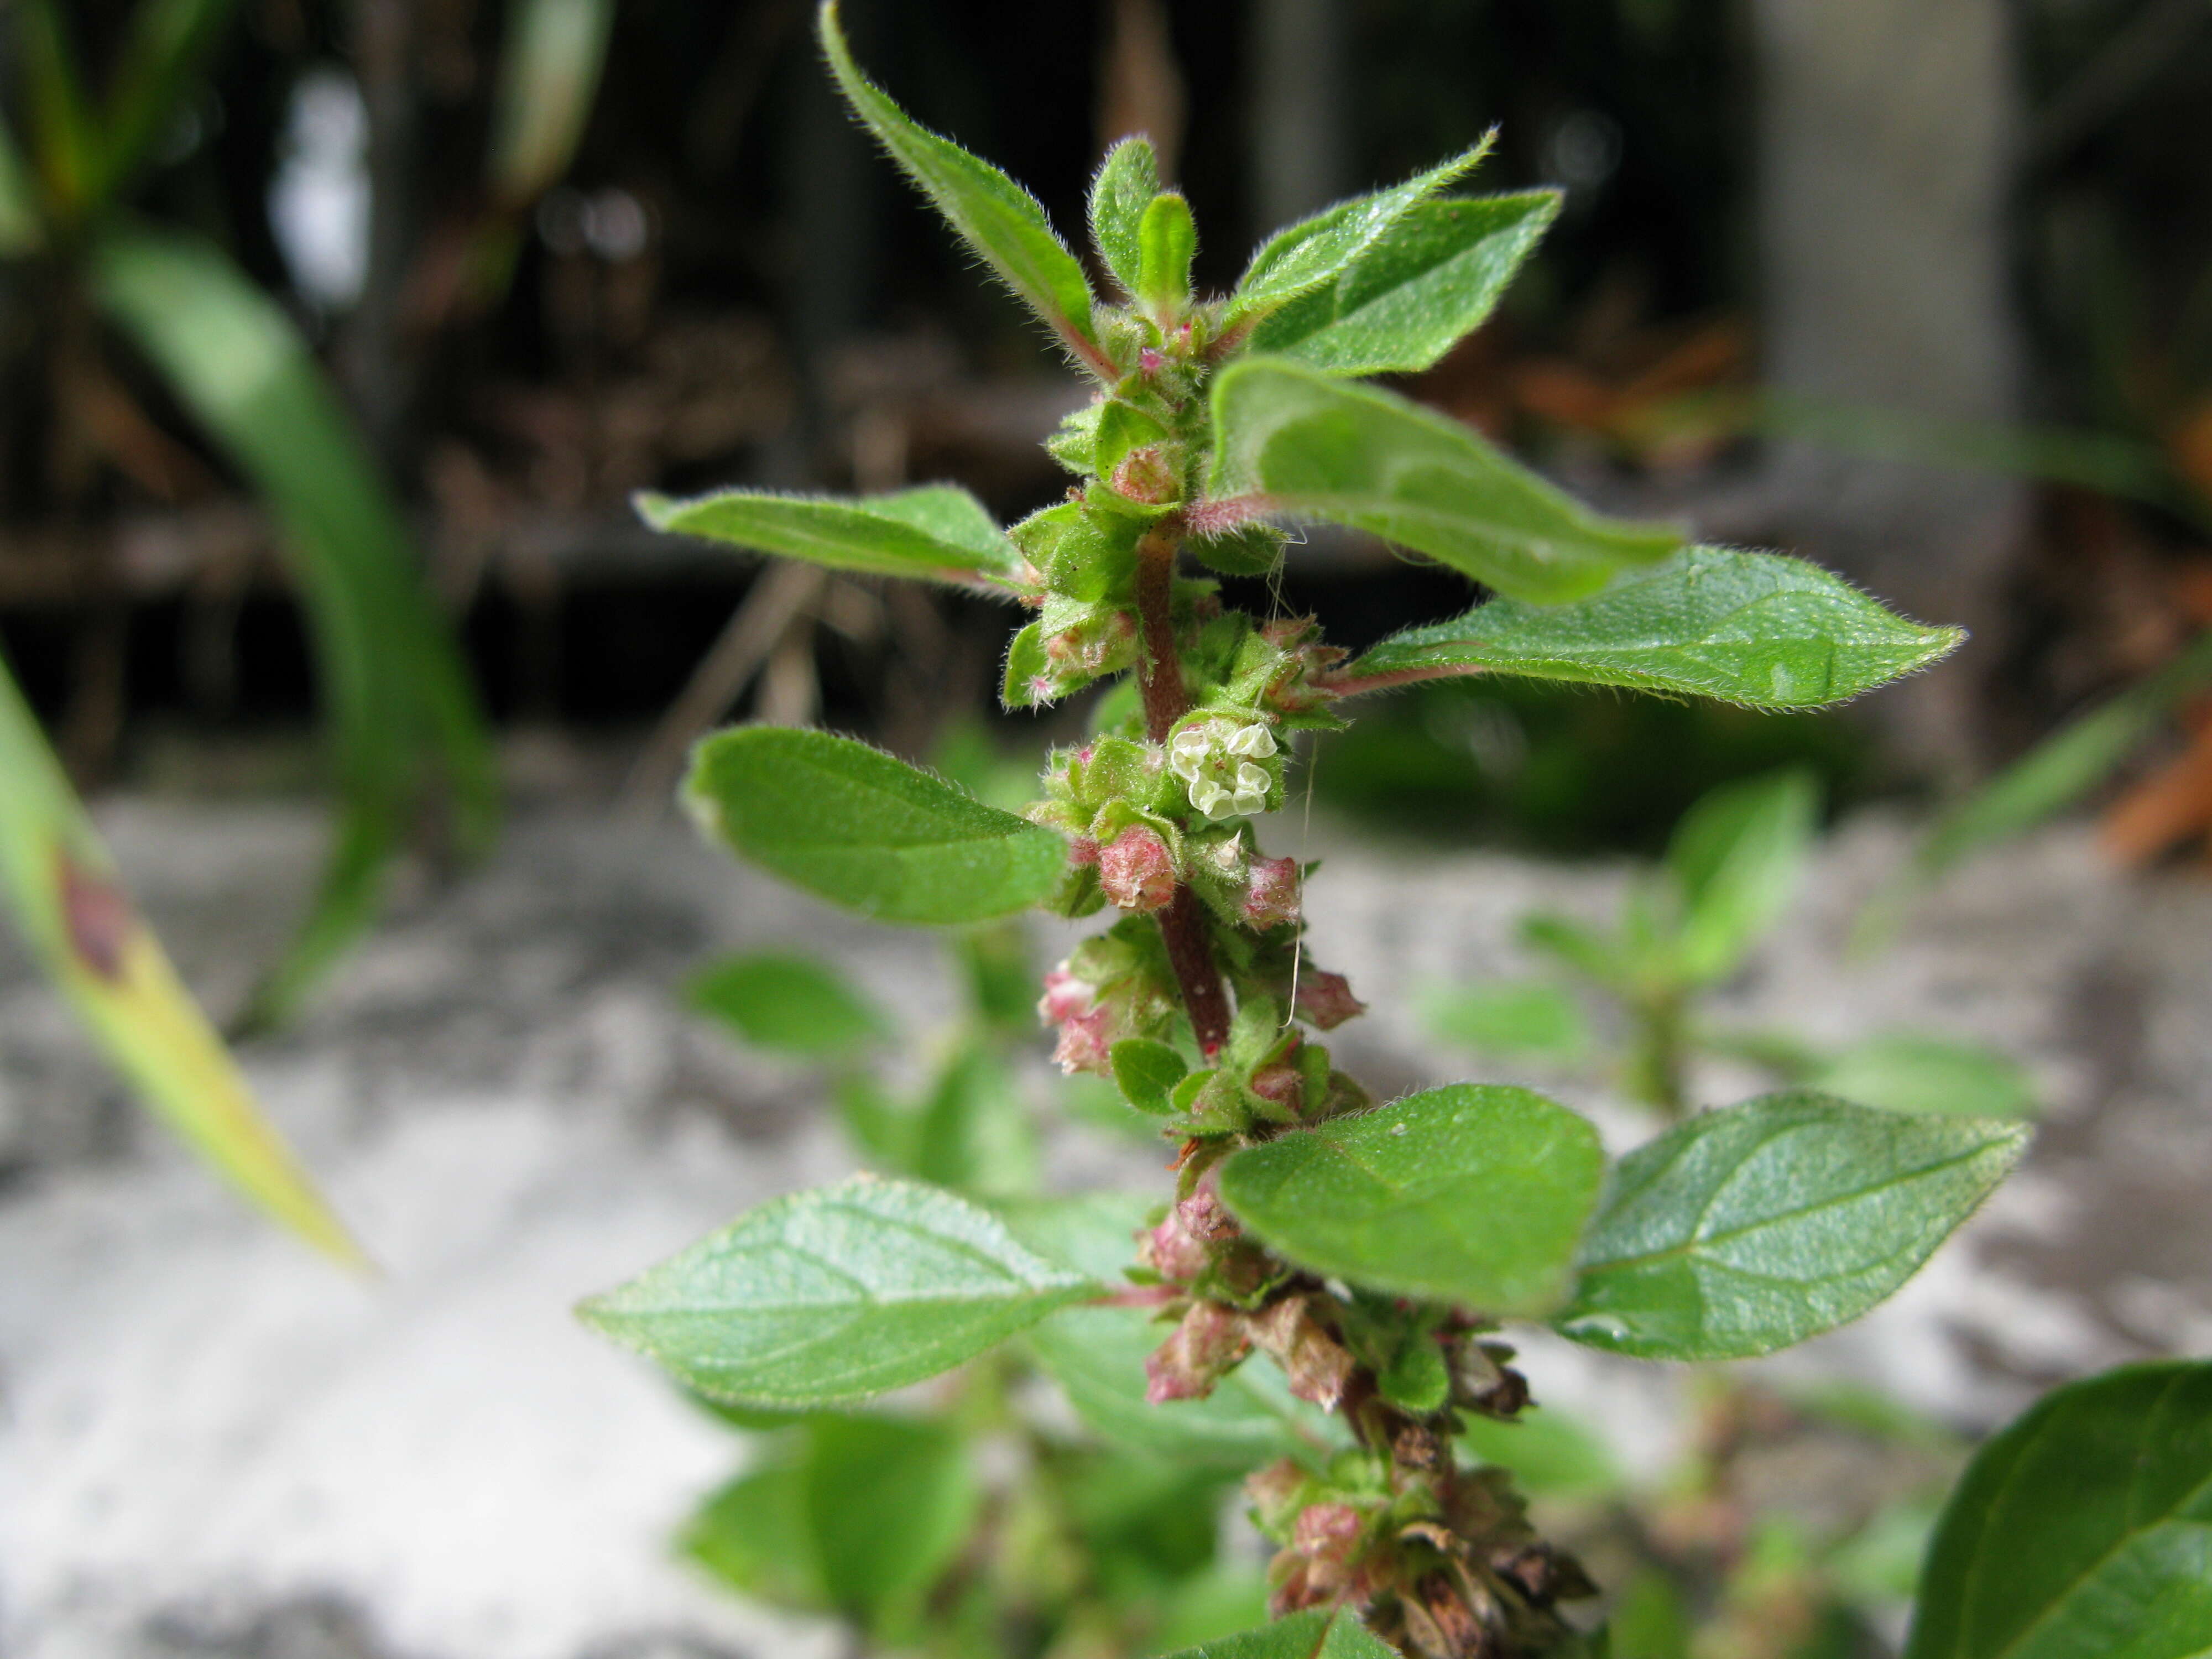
point(1001, 221)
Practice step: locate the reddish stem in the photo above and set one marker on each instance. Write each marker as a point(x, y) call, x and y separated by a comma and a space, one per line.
point(1159, 677)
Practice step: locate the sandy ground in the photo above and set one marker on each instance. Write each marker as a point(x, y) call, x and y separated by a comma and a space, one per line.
point(212, 1446)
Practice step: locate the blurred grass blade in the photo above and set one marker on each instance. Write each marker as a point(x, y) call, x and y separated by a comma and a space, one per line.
point(64, 144)
point(82, 927)
point(548, 73)
point(21, 232)
point(403, 715)
point(168, 42)
point(2065, 766)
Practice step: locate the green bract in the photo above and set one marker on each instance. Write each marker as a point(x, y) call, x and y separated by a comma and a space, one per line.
point(1744, 1230)
point(852, 825)
point(2084, 1531)
point(1755, 628)
point(1305, 446)
point(1473, 1195)
point(827, 1297)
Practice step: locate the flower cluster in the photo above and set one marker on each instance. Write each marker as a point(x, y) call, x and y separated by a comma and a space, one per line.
point(1220, 761)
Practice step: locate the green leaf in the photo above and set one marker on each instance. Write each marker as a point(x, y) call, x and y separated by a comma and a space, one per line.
point(829, 1296)
point(752, 1535)
point(551, 55)
point(1168, 240)
point(1755, 628)
point(1737, 859)
point(1744, 1230)
point(1147, 1073)
point(1318, 1633)
point(938, 531)
point(2083, 1531)
point(84, 933)
point(975, 1134)
point(790, 1004)
point(889, 1504)
point(1422, 286)
point(1309, 447)
point(1125, 186)
point(996, 217)
point(1318, 249)
point(1509, 1017)
point(852, 825)
point(1473, 1194)
point(1908, 1072)
point(404, 718)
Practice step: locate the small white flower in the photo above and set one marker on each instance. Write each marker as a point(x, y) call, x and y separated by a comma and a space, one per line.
point(1253, 740)
point(1210, 798)
point(1187, 752)
point(1251, 792)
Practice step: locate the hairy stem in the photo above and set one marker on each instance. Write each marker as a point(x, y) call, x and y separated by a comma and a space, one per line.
point(1159, 677)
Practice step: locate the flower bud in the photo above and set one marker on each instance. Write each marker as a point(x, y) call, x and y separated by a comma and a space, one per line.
point(1203, 1214)
point(1174, 1252)
point(1206, 1346)
point(1271, 893)
point(1144, 475)
point(1086, 1044)
point(1325, 1000)
point(1065, 996)
point(1137, 871)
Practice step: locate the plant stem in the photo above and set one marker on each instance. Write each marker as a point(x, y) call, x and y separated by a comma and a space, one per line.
point(1159, 677)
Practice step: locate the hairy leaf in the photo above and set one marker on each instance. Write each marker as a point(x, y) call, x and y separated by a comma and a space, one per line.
point(84, 931)
point(404, 716)
point(1756, 629)
point(1309, 447)
point(1744, 1230)
point(1318, 1633)
point(1169, 240)
point(1147, 1073)
point(791, 1005)
point(2083, 1531)
point(829, 1296)
point(849, 824)
point(994, 215)
point(1314, 251)
point(1473, 1194)
point(938, 531)
point(1125, 186)
point(1420, 287)
point(1737, 858)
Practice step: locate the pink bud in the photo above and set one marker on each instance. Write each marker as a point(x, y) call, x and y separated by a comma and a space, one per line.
point(1064, 995)
point(1325, 1530)
point(1325, 999)
point(1172, 1251)
point(1081, 850)
point(1209, 1342)
point(1271, 894)
point(1137, 871)
point(1281, 1083)
point(1151, 360)
point(1084, 1039)
point(1202, 1214)
point(1317, 1365)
